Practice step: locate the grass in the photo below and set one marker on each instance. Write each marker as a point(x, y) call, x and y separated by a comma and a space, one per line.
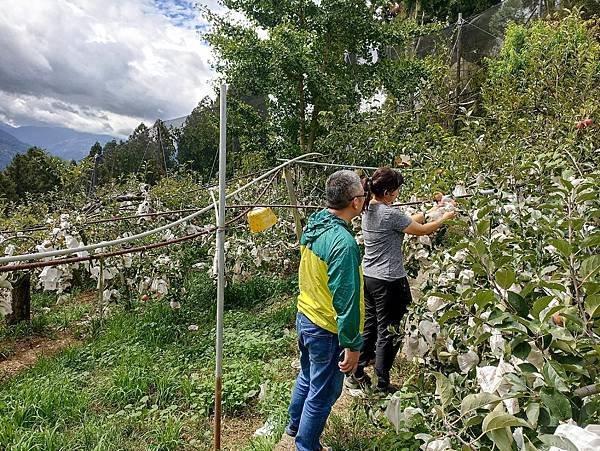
point(48, 316)
point(142, 380)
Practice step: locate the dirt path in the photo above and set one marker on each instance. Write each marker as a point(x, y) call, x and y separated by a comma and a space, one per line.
point(26, 353)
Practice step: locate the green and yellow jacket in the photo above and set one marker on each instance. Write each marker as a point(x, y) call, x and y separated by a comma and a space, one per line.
point(331, 281)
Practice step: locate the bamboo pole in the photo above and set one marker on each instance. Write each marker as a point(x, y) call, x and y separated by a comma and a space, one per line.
point(289, 183)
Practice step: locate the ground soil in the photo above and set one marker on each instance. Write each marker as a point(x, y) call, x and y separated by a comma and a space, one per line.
point(237, 432)
point(26, 352)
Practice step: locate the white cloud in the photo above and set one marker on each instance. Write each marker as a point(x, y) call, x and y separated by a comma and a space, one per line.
point(101, 65)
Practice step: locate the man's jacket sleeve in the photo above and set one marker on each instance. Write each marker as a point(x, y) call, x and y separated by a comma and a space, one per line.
point(344, 284)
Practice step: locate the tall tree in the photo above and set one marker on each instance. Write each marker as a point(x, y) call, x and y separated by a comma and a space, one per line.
point(304, 58)
point(34, 172)
point(198, 140)
point(148, 151)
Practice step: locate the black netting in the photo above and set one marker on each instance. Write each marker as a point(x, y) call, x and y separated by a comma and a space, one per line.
point(482, 35)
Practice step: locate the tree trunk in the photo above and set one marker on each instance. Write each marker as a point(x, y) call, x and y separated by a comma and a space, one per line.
point(21, 300)
point(314, 123)
point(301, 114)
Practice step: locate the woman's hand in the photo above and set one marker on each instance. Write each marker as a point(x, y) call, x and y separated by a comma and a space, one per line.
point(449, 215)
point(418, 217)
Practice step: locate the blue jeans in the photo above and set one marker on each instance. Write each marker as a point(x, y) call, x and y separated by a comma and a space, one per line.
point(318, 386)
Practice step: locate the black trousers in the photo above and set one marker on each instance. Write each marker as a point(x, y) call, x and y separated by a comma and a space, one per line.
point(385, 305)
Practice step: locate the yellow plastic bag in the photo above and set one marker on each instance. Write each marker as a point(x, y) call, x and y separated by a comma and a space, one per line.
point(261, 219)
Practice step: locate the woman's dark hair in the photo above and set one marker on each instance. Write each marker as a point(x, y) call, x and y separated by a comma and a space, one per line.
point(383, 181)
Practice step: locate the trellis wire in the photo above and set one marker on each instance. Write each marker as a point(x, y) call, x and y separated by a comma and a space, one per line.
point(57, 253)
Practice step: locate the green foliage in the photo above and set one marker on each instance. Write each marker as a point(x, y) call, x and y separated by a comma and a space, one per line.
point(30, 174)
point(443, 10)
point(308, 62)
point(149, 152)
point(198, 141)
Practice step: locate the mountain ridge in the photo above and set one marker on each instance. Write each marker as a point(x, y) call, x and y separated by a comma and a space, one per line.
point(9, 147)
point(62, 142)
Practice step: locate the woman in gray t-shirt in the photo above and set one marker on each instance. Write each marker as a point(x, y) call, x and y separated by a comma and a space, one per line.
point(387, 292)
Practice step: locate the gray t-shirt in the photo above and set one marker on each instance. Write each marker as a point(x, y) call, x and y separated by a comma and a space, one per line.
point(382, 228)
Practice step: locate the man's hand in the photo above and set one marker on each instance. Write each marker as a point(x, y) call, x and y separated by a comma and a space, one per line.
point(350, 362)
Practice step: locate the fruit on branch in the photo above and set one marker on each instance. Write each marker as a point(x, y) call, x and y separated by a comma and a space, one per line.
point(558, 320)
point(583, 123)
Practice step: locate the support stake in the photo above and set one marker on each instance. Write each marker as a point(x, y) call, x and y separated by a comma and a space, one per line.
point(220, 266)
point(289, 183)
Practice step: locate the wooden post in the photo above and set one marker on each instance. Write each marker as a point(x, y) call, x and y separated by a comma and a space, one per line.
point(21, 300)
point(289, 183)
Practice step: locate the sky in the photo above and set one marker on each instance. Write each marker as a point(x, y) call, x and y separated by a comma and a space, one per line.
point(102, 66)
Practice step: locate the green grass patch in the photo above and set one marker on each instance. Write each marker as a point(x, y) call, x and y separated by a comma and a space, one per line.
point(144, 381)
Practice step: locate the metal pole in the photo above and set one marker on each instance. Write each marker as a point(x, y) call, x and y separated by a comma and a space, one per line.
point(162, 149)
point(220, 265)
point(346, 166)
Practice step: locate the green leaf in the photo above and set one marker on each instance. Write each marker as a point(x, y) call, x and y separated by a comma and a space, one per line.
point(483, 337)
point(555, 375)
point(480, 248)
point(518, 303)
point(529, 446)
point(443, 388)
point(591, 305)
point(587, 196)
point(476, 401)
point(589, 267)
point(558, 441)
point(591, 241)
point(553, 285)
point(445, 296)
point(483, 226)
point(589, 412)
point(562, 246)
point(474, 420)
point(527, 368)
point(485, 211)
point(498, 420)
point(533, 412)
point(452, 313)
point(502, 438)
point(591, 288)
point(557, 403)
point(522, 350)
point(517, 383)
point(505, 278)
point(483, 298)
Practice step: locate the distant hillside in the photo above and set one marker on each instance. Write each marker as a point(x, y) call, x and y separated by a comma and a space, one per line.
point(59, 141)
point(9, 147)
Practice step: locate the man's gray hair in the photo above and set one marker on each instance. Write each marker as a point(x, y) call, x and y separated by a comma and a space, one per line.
point(340, 188)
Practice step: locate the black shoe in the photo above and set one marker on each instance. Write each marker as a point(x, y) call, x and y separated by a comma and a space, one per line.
point(386, 388)
point(357, 382)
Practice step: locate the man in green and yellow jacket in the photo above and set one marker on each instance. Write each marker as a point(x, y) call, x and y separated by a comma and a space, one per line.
point(330, 309)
